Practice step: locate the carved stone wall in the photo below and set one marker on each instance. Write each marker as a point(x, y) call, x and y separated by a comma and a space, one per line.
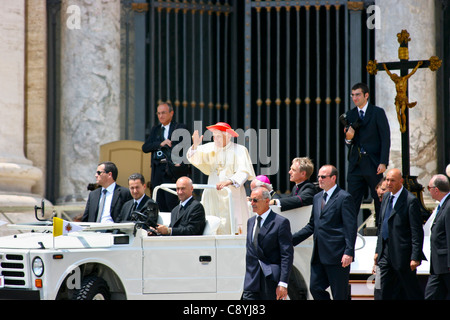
point(90, 89)
point(17, 173)
point(417, 17)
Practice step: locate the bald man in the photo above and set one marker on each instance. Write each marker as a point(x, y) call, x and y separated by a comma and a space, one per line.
point(188, 217)
point(400, 240)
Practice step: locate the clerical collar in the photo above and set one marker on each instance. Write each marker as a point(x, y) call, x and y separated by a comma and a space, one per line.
point(298, 185)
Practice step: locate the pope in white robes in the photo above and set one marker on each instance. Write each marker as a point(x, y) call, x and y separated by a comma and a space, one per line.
point(227, 164)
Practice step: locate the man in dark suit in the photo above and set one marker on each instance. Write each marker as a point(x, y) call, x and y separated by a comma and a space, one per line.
point(333, 223)
point(136, 185)
point(303, 191)
point(438, 286)
point(369, 146)
point(160, 144)
point(105, 204)
point(187, 218)
point(270, 253)
point(400, 240)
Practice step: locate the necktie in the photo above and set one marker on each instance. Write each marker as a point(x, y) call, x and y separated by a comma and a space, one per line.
point(437, 213)
point(163, 131)
point(101, 206)
point(387, 214)
point(257, 227)
point(180, 211)
point(324, 199)
point(361, 114)
point(133, 207)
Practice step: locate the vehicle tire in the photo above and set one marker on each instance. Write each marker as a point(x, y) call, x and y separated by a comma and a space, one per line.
point(93, 288)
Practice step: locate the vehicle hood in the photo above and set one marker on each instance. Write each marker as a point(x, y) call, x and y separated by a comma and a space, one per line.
point(75, 240)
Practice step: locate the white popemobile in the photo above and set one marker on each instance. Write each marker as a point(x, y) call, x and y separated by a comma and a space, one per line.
point(120, 261)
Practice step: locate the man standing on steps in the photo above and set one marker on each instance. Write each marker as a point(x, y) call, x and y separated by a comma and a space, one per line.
point(369, 140)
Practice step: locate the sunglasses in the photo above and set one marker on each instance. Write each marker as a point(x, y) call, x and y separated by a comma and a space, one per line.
point(253, 199)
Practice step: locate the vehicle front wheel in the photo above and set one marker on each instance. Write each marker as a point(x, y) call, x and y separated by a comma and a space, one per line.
point(93, 288)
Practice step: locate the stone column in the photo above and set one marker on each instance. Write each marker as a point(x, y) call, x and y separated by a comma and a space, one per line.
point(417, 17)
point(36, 88)
point(90, 90)
point(17, 173)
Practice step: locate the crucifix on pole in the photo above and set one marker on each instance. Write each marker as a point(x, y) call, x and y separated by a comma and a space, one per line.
point(402, 103)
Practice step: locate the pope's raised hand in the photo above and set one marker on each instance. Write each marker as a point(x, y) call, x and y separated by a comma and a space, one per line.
point(196, 139)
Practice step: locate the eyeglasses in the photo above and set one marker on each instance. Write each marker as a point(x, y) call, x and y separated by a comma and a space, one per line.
point(355, 95)
point(100, 172)
point(323, 177)
point(429, 188)
point(161, 113)
point(253, 199)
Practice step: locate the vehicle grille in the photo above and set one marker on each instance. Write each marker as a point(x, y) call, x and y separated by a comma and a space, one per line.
point(12, 268)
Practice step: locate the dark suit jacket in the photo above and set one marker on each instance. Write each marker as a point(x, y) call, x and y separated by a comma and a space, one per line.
point(405, 231)
point(120, 196)
point(125, 214)
point(374, 136)
point(275, 254)
point(440, 240)
point(334, 228)
point(303, 196)
point(189, 220)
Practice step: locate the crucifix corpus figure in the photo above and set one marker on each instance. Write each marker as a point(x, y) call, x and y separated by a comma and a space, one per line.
point(401, 99)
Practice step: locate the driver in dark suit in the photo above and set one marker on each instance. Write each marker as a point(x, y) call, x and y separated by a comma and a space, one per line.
point(137, 186)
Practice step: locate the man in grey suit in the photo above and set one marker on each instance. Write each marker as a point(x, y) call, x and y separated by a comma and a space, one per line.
point(105, 204)
point(438, 286)
point(188, 217)
point(400, 240)
point(333, 223)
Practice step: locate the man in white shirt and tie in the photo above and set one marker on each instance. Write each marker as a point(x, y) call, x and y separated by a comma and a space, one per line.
point(160, 144)
point(104, 204)
point(438, 286)
point(368, 140)
point(333, 224)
